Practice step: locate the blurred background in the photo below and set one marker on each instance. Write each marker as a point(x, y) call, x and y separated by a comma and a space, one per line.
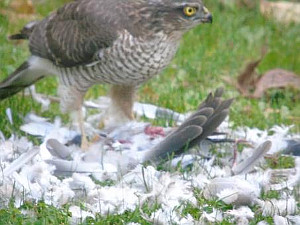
point(252, 48)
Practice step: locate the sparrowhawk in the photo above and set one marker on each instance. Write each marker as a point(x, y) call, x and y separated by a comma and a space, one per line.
point(119, 42)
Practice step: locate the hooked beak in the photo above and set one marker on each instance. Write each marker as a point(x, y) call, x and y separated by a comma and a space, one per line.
point(207, 18)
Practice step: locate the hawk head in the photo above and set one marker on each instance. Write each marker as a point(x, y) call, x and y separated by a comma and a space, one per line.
point(175, 15)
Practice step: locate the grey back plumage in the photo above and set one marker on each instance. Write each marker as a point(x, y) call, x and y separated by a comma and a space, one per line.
point(76, 32)
point(72, 35)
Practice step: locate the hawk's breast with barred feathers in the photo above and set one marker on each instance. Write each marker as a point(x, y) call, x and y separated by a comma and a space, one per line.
point(130, 61)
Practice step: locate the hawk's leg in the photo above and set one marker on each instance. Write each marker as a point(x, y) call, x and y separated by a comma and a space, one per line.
point(71, 100)
point(84, 141)
point(120, 110)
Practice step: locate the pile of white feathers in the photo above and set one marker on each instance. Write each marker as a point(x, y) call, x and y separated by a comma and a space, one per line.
point(58, 174)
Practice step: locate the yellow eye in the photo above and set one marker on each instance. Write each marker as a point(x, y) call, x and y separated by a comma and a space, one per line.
point(189, 11)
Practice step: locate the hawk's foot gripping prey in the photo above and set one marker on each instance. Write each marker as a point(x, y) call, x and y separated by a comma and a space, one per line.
point(119, 42)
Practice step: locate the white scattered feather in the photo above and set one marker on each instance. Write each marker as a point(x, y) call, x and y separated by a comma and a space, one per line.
point(21, 161)
point(2, 138)
point(22, 144)
point(278, 207)
point(152, 112)
point(31, 117)
point(243, 211)
point(242, 221)
point(292, 180)
point(37, 128)
point(9, 115)
point(232, 190)
point(294, 219)
point(278, 138)
point(279, 220)
point(6, 150)
point(161, 217)
point(69, 167)
point(79, 214)
point(184, 160)
point(116, 199)
point(80, 181)
point(262, 223)
point(248, 164)
point(213, 217)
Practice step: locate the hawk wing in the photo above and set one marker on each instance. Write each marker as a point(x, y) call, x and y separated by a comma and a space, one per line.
point(76, 32)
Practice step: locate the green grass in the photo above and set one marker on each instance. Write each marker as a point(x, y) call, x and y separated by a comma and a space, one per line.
point(280, 162)
point(207, 54)
point(37, 214)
